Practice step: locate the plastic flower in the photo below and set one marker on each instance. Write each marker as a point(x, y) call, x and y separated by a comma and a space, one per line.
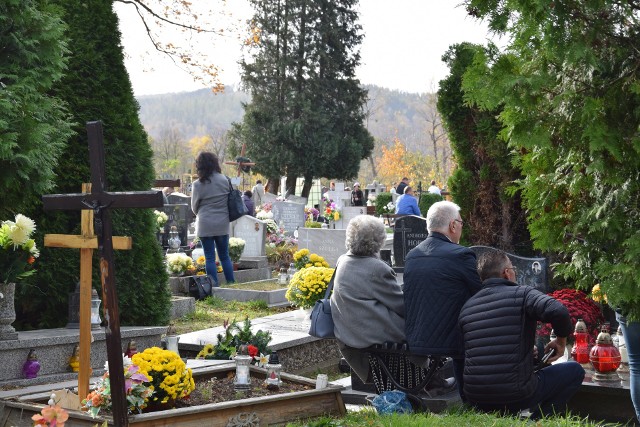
point(206, 351)
point(261, 360)
point(53, 416)
point(252, 350)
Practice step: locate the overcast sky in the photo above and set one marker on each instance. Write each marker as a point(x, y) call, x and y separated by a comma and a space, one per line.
point(404, 41)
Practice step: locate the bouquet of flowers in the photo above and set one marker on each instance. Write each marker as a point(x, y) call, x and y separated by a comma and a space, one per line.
point(236, 247)
point(331, 211)
point(389, 208)
point(304, 259)
point(137, 390)
point(198, 268)
point(18, 250)
point(161, 219)
point(169, 377)
point(311, 214)
point(308, 286)
point(258, 343)
point(52, 415)
point(179, 263)
point(580, 307)
point(264, 212)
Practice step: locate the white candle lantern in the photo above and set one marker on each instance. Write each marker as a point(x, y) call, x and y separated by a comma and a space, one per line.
point(242, 381)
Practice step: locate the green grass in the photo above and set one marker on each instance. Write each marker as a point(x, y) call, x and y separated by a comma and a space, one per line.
point(453, 418)
point(213, 311)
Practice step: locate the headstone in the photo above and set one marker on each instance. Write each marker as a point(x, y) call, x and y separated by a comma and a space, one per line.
point(329, 244)
point(348, 213)
point(532, 272)
point(290, 214)
point(179, 198)
point(254, 232)
point(339, 186)
point(181, 216)
point(340, 198)
point(297, 199)
point(409, 232)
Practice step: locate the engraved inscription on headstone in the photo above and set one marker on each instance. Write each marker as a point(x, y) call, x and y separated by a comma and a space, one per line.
point(529, 271)
point(408, 233)
point(253, 232)
point(329, 244)
point(291, 214)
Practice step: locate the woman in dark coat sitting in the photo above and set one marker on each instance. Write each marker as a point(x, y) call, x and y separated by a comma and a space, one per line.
point(367, 304)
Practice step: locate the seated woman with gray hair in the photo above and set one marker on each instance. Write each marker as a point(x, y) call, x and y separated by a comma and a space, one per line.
point(367, 304)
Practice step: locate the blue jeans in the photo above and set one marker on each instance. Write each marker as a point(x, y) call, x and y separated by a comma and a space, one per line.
point(221, 243)
point(631, 332)
point(556, 385)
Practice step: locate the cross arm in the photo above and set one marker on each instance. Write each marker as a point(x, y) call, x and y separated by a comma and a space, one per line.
point(79, 201)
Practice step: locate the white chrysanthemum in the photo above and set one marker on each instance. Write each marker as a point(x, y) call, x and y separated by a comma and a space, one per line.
point(25, 223)
point(126, 362)
point(30, 245)
point(17, 235)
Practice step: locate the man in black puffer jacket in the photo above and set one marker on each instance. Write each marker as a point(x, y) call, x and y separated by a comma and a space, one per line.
point(498, 325)
point(439, 277)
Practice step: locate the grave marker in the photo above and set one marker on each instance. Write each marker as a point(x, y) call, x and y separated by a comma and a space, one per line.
point(297, 199)
point(254, 232)
point(329, 244)
point(409, 232)
point(100, 201)
point(529, 271)
point(86, 242)
point(269, 198)
point(347, 213)
point(291, 214)
point(181, 216)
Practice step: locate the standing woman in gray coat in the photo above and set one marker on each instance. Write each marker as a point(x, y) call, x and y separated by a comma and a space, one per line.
point(367, 304)
point(209, 201)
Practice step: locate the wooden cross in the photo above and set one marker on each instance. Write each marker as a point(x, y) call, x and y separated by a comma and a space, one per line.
point(241, 164)
point(100, 201)
point(86, 242)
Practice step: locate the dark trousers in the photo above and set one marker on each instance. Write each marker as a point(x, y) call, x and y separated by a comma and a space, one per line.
point(556, 385)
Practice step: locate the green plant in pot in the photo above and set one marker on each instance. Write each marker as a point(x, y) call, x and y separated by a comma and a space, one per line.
point(236, 247)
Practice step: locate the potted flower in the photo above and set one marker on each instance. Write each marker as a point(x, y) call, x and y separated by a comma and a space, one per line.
point(18, 252)
point(234, 336)
point(304, 259)
point(161, 220)
point(179, 264)
point(236, 247)
point(580, 307)
point(170, 379)
point(308, 286)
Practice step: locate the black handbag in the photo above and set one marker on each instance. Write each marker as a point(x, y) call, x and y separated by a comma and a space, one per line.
point(321, 320)
point(237, 208)
point(201, 287)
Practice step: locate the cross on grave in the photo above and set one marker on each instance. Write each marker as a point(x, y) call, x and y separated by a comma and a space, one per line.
point(86, 242)
point(244, 164)
point(100, 201)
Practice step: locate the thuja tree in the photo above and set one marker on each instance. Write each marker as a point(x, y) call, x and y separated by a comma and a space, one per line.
point(306, 114)
point(33, 124)
point(569, 90)
point(97, 87)
point(481, 183)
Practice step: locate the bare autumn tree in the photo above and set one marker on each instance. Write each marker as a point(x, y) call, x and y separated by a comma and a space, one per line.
point(182, 30)
point(437, 138)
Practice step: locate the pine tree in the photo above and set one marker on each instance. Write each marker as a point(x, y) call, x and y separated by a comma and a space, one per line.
point(306, 113)
point(97, 87)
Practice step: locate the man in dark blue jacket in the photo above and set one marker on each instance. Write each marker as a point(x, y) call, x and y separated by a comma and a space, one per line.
point(439, 277)
point(498, 325)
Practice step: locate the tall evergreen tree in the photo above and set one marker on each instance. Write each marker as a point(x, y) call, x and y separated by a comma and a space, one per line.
point(306, 113)
point(33, 125)
point(97, 87)
point(481, 182)
point(569, 88)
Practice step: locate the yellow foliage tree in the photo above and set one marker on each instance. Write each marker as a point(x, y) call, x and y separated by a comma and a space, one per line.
point(396, 162)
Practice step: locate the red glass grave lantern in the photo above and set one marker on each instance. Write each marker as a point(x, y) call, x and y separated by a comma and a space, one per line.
point(605, 358)
point(580, 350)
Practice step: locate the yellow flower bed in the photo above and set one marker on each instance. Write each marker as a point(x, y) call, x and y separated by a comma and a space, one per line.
point(308, 286)
point(170, 377)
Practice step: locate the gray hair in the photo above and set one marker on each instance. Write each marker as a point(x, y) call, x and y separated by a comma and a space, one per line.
point(365, 235)
point(440, 214)
point(492, 263)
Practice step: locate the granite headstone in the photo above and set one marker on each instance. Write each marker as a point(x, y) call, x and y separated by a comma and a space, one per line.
point(530, 271)
point(409, 232)
point(329, 244)
point(181, 216)
point(254, 232)
point(290, 214)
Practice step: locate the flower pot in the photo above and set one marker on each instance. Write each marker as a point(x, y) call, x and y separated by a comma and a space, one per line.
point(303, 313)
point(7, 311)
point(236, 266)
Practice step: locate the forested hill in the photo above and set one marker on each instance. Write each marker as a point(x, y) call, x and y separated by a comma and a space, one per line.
point(391, 113)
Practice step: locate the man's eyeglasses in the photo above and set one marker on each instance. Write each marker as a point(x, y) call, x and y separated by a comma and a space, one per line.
point(515, 270)
point(460, 221)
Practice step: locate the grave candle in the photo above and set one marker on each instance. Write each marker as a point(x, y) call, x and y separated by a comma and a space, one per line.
point(243, 380)
point(580, 350)
point(605, 358)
